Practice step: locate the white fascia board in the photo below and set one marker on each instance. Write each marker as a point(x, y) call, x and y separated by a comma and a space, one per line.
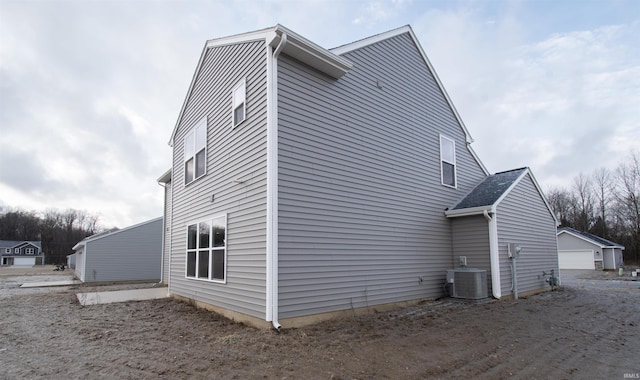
point(370, 40)
point(584, 238)
point(165, 177)
point(544, 198)
point(188, 96)
point(469, 211)
point(407, 29)
point(311, 53)
point(538, 189)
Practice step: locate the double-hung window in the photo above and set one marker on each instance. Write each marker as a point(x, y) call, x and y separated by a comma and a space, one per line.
point(7, 250)
point(207, 249)
point(195, 152)
point(29, 251)
point(239, 102)
point(448, 161)
point(17, 250)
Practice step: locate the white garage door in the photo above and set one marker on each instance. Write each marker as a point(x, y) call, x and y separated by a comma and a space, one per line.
point(576, 259)
point(24, 261)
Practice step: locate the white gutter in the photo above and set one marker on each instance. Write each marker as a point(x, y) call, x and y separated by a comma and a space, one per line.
point(272, 181)
point(494, 255)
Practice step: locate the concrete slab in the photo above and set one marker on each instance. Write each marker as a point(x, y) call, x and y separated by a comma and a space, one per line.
point(122, 296)
point(50, 283)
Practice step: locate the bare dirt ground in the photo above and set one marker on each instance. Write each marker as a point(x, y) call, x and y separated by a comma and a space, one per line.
point(573, 333)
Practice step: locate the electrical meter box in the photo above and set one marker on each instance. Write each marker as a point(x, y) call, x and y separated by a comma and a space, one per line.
point(514, 250)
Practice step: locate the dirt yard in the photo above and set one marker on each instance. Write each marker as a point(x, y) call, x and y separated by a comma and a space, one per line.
point(574, 333)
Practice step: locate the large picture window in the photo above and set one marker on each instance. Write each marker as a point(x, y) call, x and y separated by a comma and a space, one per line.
point(448, 161)
point(195, 152)
point(239, 102)
point(207, 249)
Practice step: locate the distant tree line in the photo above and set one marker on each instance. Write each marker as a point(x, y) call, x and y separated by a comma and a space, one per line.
point(58, 230)
point(605, 203)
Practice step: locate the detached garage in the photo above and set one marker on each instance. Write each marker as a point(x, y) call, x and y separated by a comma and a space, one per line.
point(582, 250)
point(130, 254)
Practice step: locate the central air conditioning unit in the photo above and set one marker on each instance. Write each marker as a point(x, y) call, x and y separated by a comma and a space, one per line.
point(468, 283)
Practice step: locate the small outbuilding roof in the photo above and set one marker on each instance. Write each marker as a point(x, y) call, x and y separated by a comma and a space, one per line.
point(594, 239)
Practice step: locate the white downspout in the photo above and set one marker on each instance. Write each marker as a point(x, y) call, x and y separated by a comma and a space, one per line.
point(272, 183)
point(494, 255)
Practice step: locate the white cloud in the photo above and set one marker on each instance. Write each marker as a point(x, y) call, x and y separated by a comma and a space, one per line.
point(90, 91)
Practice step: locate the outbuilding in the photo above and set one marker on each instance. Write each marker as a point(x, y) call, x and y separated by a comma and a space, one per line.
point(582, 250)
point(129, 254)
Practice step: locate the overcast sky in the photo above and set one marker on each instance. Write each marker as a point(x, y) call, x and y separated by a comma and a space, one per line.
point(90, 90)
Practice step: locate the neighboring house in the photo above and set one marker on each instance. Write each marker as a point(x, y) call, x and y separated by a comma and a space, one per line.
point(71, 261)
point(308, 183)
point(129, 254)
point(582, 250)
point(21, 253)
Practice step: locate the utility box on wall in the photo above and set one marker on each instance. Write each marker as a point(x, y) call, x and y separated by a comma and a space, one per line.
point(468, 283)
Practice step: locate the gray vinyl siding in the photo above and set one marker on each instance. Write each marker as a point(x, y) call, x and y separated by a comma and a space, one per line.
point(235, 178)
point(361, 205)
point(523, 218)
point(471, 239)
point(79, 271)
point(166, 233)
point(126, 255)
point(569, 242)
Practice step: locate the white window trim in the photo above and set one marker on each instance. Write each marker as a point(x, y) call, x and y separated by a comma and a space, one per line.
point(193, 131)
point(242, 83)
point(17, 250)
point(455, 166)
point(29, 251)
point(7, 250)
point(211, 249)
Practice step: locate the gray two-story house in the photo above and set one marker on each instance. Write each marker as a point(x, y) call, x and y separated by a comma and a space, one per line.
point(307, 183)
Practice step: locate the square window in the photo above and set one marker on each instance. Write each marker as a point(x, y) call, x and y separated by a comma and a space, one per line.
point(239, 101)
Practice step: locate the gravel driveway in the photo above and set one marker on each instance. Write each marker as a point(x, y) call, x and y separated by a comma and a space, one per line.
point(578, 332)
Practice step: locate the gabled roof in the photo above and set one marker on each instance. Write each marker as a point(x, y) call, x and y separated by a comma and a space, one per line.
point(491, 191)
point(399, 31)
point(110, 232)
point(16, 243)
point(293, 45)
point(591, 238)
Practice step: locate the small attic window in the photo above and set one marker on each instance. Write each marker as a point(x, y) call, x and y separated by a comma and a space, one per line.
point(448, 161)
point(239, 102)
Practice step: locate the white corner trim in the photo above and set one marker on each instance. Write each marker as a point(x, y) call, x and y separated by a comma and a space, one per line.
point(494, 254)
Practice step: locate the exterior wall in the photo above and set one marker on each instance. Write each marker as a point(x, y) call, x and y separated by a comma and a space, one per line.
point(361, 205)
point(612, 258)
point(471, 239)
point(71, 261)
point(234, 183)
point(166, 247)
point(523, 218)
point(128, 254)
point(79, 270)
point(568, 242)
